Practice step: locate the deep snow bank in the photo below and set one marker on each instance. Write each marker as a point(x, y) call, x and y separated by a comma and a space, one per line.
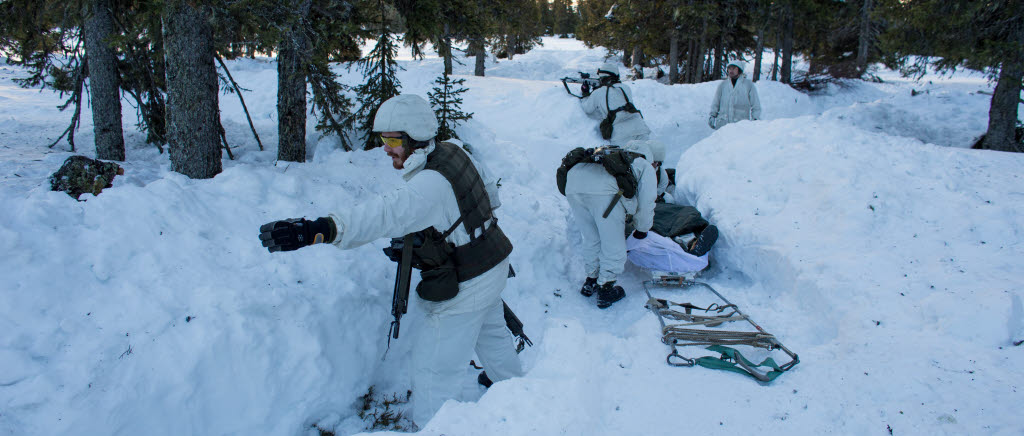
point(819, 247)
point(891, 257)
point(152, 307)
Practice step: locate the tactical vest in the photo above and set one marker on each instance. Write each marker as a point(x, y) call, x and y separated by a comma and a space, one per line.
point(487, 246)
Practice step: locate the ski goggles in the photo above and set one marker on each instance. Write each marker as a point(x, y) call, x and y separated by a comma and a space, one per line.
point(391, 142)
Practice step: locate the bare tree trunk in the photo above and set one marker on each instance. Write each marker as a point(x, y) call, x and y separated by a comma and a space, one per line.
point(476, 46)
point(1003, 113)
point(192, 124)
point(673, 55)
point(446, 50)
point(104, 83)
point(865, 37)
point(759, 54)
point(787, 45)
point(776, 50)
point(157, 126)
point(627, 57)
point(691, 59)
point(292, 61)
point(702, 47)
point(716, 70)
point(709, 61)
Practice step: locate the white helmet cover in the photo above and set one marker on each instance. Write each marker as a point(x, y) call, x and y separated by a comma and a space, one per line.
point(608, 68)
point(657, 150)
point(738, 64)
point(640, 146)
point(407, 113)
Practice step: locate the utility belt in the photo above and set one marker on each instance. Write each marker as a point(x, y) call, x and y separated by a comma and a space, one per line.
point(443, 265)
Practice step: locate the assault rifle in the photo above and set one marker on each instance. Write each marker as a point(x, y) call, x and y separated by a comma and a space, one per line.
point(400, 251)
point(589, 84)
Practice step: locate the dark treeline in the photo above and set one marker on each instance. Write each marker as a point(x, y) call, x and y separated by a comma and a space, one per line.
point(166, 57)
point(694, 39)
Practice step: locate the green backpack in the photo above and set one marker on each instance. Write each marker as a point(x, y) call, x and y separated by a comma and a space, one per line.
point(618, 163)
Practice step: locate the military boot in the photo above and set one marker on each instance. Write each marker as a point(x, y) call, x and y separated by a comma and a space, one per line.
point(702, 244)
point(608, 293)
point(484, 380)
point(589, 287)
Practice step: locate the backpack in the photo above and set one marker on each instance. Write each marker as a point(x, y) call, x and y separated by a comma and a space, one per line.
point(616, 161)
point(607, 124)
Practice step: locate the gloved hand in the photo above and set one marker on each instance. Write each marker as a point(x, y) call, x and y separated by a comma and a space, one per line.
point(711, 122)
point(639, 235)
point(295, 233)
point(585, 89)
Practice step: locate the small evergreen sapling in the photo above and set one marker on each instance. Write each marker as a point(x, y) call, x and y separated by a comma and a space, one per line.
point(447, 100)
point(379, 68)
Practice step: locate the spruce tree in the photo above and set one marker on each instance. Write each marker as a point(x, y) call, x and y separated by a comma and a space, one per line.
point(293, 58)
point(193, 115)
point(61, 44)
point(307, 35)
point(446, 98)
point(519, 29)
point(953, 34)
point(104, 86)
point(379, 68)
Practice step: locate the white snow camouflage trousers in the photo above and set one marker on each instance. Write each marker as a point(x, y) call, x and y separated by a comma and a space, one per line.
point(604, 240)
point(446, 345)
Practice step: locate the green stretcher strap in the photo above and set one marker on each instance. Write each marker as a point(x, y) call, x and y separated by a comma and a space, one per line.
point(732, 360)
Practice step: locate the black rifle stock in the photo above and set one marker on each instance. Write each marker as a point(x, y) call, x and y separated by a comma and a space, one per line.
point(516, 327)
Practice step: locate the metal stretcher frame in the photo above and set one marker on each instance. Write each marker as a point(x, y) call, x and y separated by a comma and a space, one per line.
point(677, 335)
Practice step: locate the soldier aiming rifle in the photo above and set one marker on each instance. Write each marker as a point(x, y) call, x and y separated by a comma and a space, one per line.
point(587, 83)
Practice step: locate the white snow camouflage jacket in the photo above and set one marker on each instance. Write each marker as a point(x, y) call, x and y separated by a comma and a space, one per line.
point(737, 102)
point(627, 126)
point(425, 200)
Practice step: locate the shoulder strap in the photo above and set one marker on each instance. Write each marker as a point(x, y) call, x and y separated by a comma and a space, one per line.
point(608, 105)
point(606, 92)
point(628, 106)
point(453, 227)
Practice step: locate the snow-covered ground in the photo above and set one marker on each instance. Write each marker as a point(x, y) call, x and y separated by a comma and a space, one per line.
point(855, 226)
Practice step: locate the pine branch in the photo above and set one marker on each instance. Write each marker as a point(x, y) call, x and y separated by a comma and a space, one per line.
point(242, 100)
point(224, 138)
point(76, 98)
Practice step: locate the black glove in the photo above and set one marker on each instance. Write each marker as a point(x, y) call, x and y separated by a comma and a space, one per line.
point(295, 233)
point(639, 235)
point(585, 89)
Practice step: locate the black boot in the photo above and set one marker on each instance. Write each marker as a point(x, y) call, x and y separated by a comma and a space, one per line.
point(484, 380)
point(704, 241)
point(589, 287)
point(608, 293)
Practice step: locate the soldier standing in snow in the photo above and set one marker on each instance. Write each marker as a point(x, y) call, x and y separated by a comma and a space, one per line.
point(612, 103)
point(736, 98)
point(446, 191)
point(600, 212)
